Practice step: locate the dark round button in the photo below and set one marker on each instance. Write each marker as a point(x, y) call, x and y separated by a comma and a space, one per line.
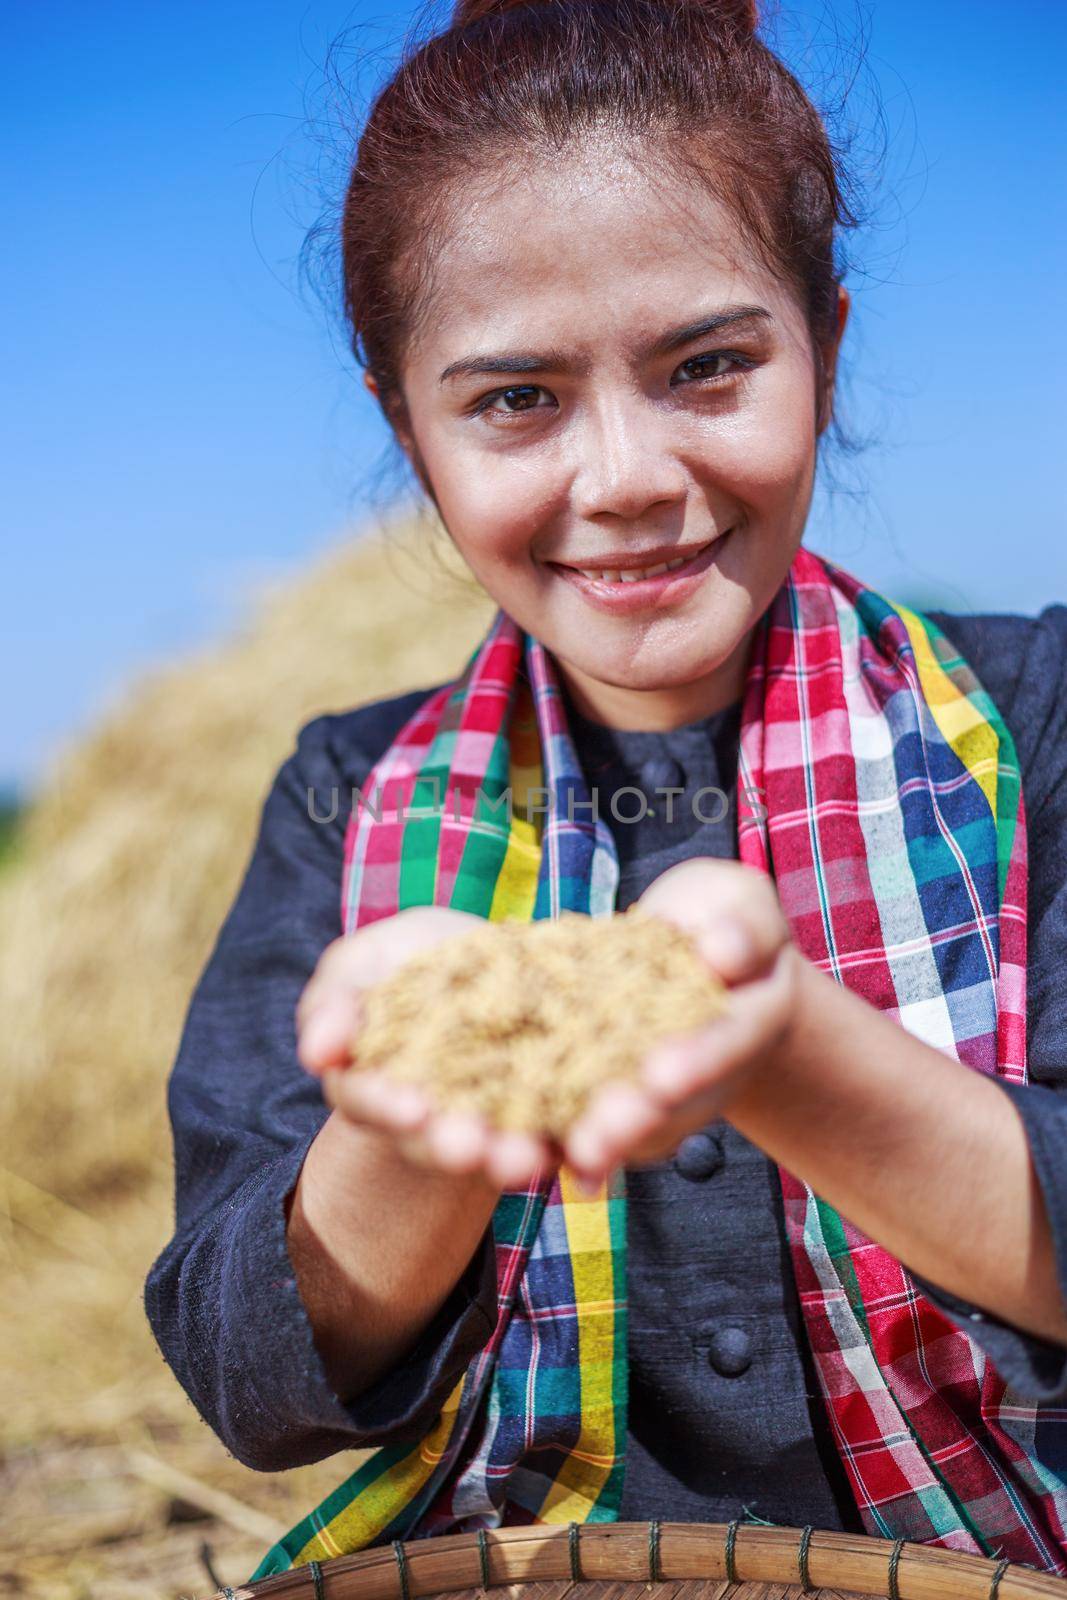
point(730, 1351)
point(699, 1156)
point(661, 772)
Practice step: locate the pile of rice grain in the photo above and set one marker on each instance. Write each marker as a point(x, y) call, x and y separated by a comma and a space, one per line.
point(522, 1021)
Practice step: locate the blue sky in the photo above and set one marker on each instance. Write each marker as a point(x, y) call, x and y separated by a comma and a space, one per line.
point(179, 415)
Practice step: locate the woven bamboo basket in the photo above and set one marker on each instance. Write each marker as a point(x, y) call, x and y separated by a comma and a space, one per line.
point(656, 1561)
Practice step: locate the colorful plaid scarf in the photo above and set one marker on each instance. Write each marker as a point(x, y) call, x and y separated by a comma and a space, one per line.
point(880, 787)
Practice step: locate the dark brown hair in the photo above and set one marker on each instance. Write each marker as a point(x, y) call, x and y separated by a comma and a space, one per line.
point(507, 77)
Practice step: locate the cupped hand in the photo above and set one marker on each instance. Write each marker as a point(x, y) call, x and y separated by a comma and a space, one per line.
point(328, 1017)
point(688, 1079)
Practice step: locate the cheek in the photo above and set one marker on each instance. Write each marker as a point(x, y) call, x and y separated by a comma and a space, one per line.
point(493, 508)
point(768, 451)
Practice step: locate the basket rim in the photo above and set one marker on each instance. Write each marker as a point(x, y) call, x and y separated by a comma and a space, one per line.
point(650, 1552)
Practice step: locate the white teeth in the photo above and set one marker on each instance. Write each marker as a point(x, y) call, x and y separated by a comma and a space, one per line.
point(636, 575)
point(650, 572)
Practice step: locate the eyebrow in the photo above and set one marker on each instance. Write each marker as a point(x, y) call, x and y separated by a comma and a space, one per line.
point(557, 360)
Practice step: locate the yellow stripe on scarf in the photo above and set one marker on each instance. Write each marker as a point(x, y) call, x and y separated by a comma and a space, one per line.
point(971, 735)
point(581, 1480)
point(515, 891)
point(363, 1519)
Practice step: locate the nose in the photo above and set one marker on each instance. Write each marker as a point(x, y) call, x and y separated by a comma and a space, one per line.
point(625, 465)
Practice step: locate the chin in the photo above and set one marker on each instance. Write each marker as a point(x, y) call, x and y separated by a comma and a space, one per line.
point(656, 673)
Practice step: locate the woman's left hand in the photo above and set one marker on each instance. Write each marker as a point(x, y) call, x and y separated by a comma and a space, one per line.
point(687, 1080)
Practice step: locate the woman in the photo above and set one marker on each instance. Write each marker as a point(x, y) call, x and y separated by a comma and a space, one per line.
point(819, 1266)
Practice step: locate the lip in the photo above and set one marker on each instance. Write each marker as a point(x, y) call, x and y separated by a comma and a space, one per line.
point(668, 588)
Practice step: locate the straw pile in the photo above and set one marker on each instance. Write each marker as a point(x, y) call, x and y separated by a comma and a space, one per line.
point(125, 869)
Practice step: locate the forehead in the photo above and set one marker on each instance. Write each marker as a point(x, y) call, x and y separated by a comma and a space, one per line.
point(592, 242)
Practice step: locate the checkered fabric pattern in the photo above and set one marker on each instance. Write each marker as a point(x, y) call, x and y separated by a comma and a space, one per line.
point(880, 788)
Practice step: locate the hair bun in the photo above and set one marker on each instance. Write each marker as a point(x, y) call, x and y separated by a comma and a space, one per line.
point(740, 14)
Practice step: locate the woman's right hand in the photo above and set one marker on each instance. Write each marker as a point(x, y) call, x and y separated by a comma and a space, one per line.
point(328, 1017)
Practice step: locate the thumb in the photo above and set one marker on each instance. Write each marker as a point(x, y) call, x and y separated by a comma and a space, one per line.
point(729, 909)
point(738, 946)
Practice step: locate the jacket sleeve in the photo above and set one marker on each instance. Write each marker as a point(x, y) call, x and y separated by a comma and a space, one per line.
point(1022, 661)
point(1035, 1368)
point(222, 1298)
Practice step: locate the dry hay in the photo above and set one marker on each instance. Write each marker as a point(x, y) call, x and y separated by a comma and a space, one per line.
point(127, 863)
point(135, 849)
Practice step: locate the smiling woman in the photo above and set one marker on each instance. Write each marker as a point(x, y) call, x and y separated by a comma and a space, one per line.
point(590, 256)
point(633, 440)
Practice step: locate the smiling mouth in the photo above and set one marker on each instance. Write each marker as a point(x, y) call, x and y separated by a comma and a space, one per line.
point(621, 575)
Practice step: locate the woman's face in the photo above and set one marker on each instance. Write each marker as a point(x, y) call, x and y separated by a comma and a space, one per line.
point(608, 379)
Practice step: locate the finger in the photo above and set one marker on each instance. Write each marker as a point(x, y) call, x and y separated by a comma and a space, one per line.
point(731, 910)
point(510, 1160)
point(457, 1140)
point(345, 968)
point(730, 948)
point(378, 1099)
point(415, 1150)
point(512, 1157)
point(331, 1001)
point(697, 1112)
point(329, 1011)
point(686, 1064)
point(619, 1114)
point(652, 1151)
point(590, 1182)
point(327, 1037)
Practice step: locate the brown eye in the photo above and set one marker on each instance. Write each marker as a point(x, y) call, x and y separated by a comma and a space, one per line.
point(522, 398)
point(714, 364)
